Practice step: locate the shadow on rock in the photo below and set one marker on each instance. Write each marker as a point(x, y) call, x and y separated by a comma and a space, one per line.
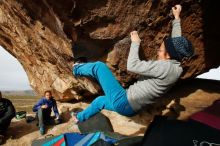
point(170, 104)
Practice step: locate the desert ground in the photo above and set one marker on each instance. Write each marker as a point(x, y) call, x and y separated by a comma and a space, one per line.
point(194, 97)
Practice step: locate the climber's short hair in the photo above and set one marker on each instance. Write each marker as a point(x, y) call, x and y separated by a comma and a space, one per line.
point(47, 91)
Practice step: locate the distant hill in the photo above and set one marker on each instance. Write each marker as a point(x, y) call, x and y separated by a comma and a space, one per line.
point(20, 93)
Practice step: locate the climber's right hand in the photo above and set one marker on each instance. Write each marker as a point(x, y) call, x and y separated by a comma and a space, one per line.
point(44, 106)
point(134, 37)
point(176, 11)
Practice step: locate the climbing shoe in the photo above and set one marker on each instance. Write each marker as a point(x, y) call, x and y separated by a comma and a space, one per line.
point(42, 130)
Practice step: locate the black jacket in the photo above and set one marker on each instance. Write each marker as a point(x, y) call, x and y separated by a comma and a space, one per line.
point(7, 110)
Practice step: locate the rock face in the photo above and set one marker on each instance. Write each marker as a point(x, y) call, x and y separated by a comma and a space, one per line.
point(40, 34)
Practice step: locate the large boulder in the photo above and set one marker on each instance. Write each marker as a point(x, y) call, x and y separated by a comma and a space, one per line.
point(40, 34)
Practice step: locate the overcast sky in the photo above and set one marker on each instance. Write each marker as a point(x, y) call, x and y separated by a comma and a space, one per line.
point(212, 74)
point(13, 76)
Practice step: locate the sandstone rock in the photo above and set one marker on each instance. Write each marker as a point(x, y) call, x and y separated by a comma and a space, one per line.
point(38, 33)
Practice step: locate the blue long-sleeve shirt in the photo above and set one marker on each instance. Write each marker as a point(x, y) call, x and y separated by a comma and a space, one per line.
point(51, 103)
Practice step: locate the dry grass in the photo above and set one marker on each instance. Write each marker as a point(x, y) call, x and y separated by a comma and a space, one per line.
point(23, 103)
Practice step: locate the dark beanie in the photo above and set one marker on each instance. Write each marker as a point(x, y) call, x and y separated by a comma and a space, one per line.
point(179, 48)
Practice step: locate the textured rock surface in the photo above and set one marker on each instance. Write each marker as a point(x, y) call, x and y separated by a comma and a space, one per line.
point(38, 34)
